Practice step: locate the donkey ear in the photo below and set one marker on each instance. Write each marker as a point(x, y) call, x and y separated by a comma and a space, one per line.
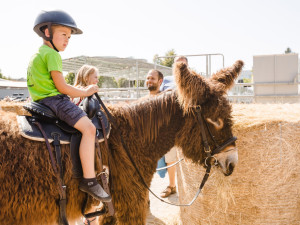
point(192, 89)
point(223, 80)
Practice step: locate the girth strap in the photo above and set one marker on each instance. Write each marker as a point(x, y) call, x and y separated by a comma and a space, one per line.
point(63, 196)
point(61, 186)
point(48, 146)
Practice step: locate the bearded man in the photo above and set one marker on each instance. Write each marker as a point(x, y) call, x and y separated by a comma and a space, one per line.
point(153, 81)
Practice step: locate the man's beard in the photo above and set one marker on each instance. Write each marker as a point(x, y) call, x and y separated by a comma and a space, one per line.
point(152, 88)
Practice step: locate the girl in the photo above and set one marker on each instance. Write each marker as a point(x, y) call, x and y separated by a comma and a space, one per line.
point(86, 76)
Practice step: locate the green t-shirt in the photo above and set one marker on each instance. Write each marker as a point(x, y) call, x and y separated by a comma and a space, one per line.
point(39, 81)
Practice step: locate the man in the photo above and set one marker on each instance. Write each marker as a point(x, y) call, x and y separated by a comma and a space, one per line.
point(153, 81)
point(171, 157)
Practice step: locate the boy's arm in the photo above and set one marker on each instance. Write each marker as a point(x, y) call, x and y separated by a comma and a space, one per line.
point(70, 90)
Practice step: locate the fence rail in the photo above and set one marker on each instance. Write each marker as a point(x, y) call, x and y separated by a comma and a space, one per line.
point(240, 93)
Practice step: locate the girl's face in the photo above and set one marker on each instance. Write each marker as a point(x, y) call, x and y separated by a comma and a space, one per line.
point(93, 78)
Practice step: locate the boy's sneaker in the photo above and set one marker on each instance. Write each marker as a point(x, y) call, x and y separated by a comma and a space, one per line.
point(93, 188)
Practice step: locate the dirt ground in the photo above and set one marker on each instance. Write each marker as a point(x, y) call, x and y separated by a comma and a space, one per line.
point(161, 213)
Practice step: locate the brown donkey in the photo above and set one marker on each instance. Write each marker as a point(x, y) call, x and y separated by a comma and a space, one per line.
point(28, 185)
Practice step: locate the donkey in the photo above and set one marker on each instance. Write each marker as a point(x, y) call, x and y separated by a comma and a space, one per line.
point(149, 128)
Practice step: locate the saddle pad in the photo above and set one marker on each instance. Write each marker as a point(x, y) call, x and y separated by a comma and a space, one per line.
point(32, 132)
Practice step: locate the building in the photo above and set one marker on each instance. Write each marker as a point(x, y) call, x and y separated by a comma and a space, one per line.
point(275, 78)
point(16, 89)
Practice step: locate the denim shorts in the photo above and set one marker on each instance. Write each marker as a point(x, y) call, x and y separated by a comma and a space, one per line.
point(64, 109)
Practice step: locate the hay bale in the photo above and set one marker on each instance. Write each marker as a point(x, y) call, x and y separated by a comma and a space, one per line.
point(265, 186)
point(16, 107)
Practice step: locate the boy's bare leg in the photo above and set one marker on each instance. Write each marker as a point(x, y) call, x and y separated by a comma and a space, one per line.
point(87, 146)
point(89, 183)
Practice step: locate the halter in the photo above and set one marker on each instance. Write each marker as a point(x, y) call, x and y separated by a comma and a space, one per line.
point(207, 150)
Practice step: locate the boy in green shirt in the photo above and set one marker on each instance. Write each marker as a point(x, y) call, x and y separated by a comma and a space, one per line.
point(47, 86)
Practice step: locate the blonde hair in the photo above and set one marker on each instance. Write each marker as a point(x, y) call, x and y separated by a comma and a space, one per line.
point(82, 76)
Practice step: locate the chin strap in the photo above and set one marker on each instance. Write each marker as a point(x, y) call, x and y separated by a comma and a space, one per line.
point(53, 45)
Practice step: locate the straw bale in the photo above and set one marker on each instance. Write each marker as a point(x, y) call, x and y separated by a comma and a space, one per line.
point(265, 186)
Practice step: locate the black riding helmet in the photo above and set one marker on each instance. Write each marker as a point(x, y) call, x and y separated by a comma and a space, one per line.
point(57, 17)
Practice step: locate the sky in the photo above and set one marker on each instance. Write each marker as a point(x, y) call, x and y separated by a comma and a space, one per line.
point(238, 29)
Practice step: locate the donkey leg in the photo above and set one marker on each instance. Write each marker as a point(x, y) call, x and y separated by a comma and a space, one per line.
point(134, 213)
point(107, 220)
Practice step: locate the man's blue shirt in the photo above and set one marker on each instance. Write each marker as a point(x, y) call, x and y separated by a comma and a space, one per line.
point(168, 83)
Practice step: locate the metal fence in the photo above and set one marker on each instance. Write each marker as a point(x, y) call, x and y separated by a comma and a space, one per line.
point(240, 93)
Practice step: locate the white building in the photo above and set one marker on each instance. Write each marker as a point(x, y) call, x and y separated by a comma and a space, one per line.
point(13, 88)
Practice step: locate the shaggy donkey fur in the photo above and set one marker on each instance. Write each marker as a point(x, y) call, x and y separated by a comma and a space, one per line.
point(28, 186)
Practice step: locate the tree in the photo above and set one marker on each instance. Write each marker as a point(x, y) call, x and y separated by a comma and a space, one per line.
point(168, 61)
point(288, 50)
point(107, 82)
point(70, 78)
point(141, 83)
point(123, 83)
point(2, 76)
point(156, 60)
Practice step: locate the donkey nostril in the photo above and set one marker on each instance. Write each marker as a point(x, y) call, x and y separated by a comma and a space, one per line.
point(230, 168)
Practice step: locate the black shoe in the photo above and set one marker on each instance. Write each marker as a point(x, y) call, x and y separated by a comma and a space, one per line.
point(93, 188)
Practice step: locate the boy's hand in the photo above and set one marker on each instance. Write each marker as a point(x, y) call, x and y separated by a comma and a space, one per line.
point(91, 89)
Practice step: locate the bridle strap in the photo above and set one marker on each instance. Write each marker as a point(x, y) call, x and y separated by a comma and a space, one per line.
point(203, 133)
point(218, 148)
point(224, 145)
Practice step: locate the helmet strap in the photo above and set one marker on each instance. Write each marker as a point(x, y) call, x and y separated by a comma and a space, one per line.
point(49, 26)
point(53, 45)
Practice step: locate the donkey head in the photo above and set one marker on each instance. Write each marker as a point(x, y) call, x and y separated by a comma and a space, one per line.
point(194, 92)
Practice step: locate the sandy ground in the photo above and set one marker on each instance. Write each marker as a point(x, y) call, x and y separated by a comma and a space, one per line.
point(160, 212)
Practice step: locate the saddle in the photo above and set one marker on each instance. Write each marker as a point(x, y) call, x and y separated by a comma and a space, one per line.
point(52, 127)
point(51, 123)
point(44, 126)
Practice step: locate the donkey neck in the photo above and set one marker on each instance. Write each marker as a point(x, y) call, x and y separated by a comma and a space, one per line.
point(151, 122)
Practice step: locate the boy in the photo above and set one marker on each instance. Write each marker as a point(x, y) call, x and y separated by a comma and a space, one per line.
point(47, 85)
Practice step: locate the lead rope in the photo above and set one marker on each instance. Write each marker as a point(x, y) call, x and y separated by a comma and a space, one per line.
point(137, 170)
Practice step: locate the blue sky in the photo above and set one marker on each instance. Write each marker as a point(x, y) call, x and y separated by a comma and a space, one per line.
point(239, 29)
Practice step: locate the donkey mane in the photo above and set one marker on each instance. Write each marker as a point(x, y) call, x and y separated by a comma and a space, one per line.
point(146, 116)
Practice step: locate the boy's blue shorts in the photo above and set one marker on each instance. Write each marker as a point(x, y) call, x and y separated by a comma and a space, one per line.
point(64, 109)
